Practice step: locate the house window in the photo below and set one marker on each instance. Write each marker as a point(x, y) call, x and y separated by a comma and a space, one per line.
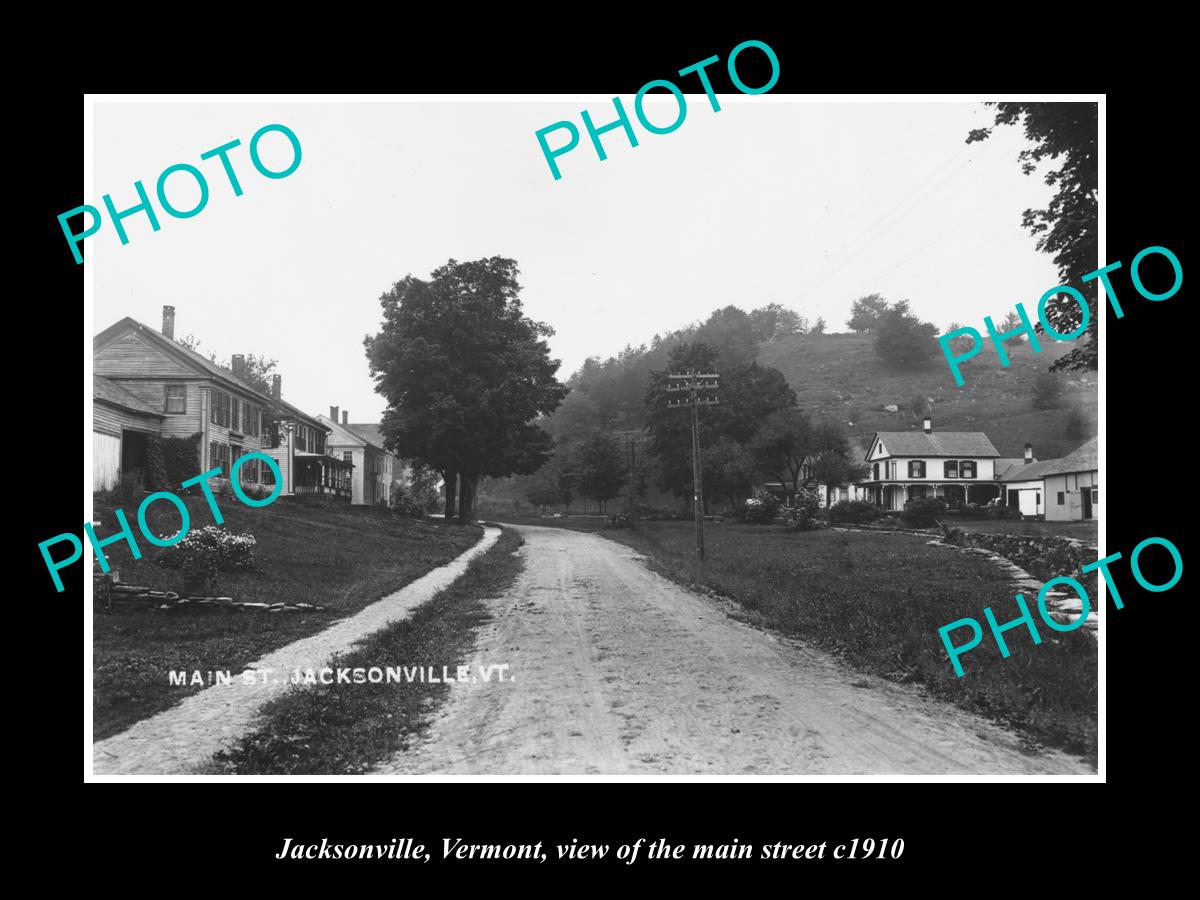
point(302, 438)
point(1039, 498)
point(268, 474)
point(951, 468)
point(235, 418)
point(916, 468)
point(220, 408)
point(348, 456)
point(1095, 495)
point(891, 471)
point(176, 398)
point(319, 442)
point(967, 467)
point(875, 471)
point(1062, 498)
point(251, 419)
point(249, 471)
point(218, 455)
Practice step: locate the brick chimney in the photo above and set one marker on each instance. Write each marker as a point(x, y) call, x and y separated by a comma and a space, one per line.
point(928, 425)
point(1028, 453)
point(333, 414)
point(276, 384)
point(345, 417)
point(238, 361)
point(168, 328)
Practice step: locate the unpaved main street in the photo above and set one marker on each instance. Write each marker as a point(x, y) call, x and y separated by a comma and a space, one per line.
point(618, 670)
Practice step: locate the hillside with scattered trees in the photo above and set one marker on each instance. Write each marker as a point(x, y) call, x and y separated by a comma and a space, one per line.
point(785, 383)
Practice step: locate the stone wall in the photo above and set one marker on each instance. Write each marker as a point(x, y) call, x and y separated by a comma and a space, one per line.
point(1043, 556)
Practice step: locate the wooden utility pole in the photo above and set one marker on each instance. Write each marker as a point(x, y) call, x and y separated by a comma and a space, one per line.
point(694, 384)
point(632, 438)
point(632, 484)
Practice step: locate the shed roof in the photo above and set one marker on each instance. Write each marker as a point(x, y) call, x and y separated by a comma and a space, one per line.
point(1031, 472)
point(1082, 459)
point(111, 392)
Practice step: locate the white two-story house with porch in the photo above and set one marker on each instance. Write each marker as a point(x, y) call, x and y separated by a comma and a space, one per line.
point(958, 466)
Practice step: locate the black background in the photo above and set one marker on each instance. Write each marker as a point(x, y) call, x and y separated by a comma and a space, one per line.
point(952, 831)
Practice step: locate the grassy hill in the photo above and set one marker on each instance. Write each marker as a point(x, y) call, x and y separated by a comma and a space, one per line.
point(840, 376)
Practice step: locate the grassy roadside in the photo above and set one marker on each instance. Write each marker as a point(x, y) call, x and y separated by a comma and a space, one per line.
point(877, 600)
point(344, 729)
point(333, 555)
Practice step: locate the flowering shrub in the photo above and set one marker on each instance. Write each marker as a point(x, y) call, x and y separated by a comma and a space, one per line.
point(802, 516)
point(211, 549)
point(760, 509)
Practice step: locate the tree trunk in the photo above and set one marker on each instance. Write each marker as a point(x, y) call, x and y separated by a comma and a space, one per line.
point(466, 500)
point(451, 478)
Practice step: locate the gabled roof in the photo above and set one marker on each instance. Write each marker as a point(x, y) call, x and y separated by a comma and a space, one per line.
point(369, 431)
point(1032, 472)
point(350, 434)
point(294, 412)
point(1083, 459)
point(111, 392)
point(937, 443)
point(191, 357)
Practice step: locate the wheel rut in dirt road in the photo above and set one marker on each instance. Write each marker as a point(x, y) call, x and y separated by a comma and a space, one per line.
point(617, 670)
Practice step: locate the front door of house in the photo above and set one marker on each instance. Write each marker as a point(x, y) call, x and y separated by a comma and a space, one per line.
point(1085, 496)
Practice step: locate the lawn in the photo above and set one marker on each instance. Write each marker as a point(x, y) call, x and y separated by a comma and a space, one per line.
point(332, 555)
point(345, 729)
point(877, 600)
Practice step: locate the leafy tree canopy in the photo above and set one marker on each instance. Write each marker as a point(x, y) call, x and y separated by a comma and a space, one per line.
point(1068, 227)
point(865, 313)
point(466, 374)
point(902, 340)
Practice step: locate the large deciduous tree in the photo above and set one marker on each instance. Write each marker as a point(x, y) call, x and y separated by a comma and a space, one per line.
point(775, 321)
point(794, 451)
point(748, 393)
point(466, 373)
point(902, 340)
point(599, 468)
point(865, 313)
point(1068, 227)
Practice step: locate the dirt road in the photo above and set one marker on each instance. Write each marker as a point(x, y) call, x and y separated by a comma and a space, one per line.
point(617, 670)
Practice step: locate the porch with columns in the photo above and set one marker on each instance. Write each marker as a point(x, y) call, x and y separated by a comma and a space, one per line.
point(892, 495)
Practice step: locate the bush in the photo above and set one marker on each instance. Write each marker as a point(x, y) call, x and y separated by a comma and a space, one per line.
point(761, 509)
point(923, 513)
point(127, 493)
point(257, 491)
point(211, 549)
point(1076, 426)
point(1000, 511)
point(407, 504)
point(1047, 391)
point(661, 514)
point(804, 516)
point(854, 512)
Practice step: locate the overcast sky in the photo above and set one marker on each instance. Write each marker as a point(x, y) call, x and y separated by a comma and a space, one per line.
point(770, 200)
